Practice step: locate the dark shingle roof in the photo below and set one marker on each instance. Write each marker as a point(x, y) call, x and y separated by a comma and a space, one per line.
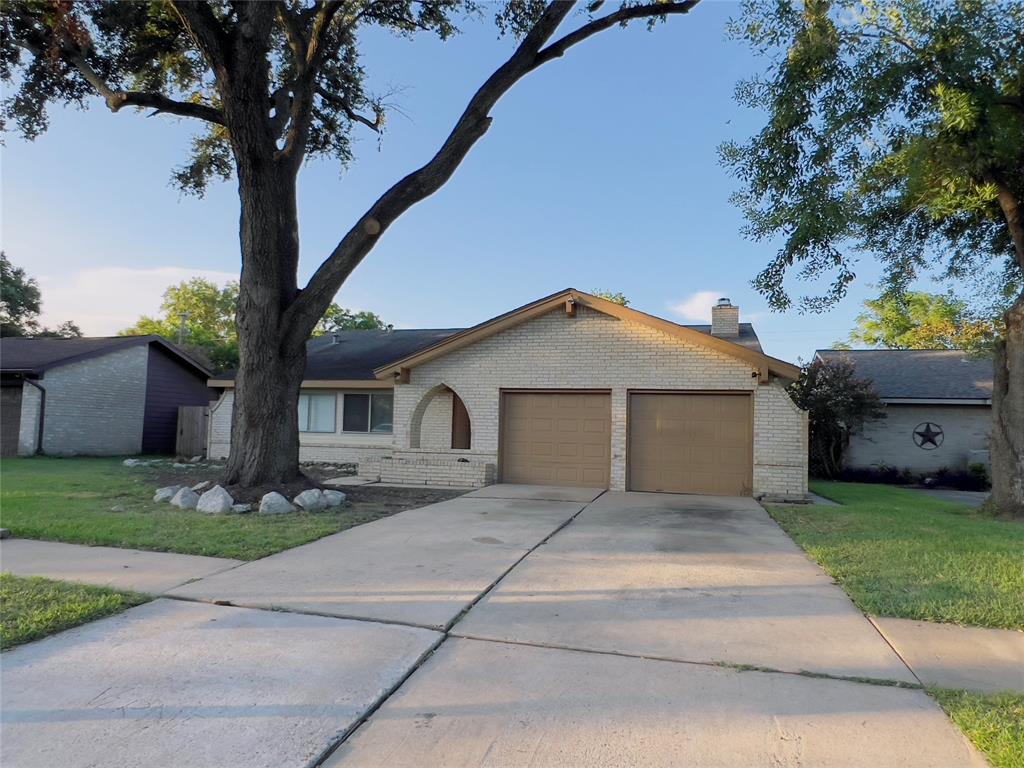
point(747, 337)
point(352, 355)
point(356, 354)
point(939, 374)
point(34, 356)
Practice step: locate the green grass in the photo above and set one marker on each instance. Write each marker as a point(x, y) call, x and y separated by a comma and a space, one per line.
point(904, 554)
point(994, 722)
point(33, 607)
point(71, 499)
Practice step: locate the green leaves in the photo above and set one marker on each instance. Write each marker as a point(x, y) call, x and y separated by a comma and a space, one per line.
point(885, 123)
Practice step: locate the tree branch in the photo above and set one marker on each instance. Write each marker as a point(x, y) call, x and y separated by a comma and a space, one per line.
point(206, 30)
point(1011, 209)
point(313, 300)
point(340, 103)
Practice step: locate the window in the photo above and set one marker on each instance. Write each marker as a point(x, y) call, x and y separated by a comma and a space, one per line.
point(316, 412)
point(367, 413)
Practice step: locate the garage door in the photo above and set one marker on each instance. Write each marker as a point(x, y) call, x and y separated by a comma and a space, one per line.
point(556, 438)
point(691, 443)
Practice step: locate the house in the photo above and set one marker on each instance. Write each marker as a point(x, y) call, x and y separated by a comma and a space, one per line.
point(570, 389)
point(938, 406)
point(95, 396)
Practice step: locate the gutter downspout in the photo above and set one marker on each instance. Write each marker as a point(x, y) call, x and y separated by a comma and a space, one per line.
point(42, 414)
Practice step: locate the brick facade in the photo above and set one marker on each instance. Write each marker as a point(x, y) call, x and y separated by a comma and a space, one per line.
point(554, 351)
point(93, 407)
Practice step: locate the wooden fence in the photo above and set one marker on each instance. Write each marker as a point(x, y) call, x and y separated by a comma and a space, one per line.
point(192, 425)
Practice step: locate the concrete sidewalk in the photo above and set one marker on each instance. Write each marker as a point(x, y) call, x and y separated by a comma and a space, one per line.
point(975, 658)
point(150, 572)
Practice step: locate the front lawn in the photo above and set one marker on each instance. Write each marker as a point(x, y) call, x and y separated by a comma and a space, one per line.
point(903, 554)
point(994, 722)
point(33, 607)
point(73, 499)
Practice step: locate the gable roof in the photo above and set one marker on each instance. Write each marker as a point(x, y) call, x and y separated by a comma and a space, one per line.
point(353, 355)
point(745, 347)
point(35, 356)
point(925, 374)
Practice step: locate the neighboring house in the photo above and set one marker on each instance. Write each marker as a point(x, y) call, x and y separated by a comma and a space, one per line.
point(568, 390)
point(938, 406)
point(95, 396)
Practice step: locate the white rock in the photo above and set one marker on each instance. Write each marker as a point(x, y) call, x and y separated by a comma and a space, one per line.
point(274, 503)
point(201, 486)
point(241, 509)
point(133, 463)
point(179, 465)
point(310, 500)
point(166, 493)
point(118, 508)
point(185, 498)
point(333, 498)
point(215, 501)
point(195, 459)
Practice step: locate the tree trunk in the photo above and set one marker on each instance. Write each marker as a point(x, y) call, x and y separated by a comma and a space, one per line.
point(1007, 441)
point(264, 429)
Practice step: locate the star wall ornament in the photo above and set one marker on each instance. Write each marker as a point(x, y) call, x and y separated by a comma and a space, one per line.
point(928, 436)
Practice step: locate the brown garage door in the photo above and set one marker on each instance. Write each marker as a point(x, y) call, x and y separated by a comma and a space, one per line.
point(691, 443)
point(556, 438)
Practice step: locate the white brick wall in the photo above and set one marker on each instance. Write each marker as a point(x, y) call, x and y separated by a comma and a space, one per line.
point(96, 406)
point(436, 425)
point(890, 441)
point(596, 351)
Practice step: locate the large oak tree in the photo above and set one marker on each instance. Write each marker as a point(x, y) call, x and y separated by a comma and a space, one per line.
point(274, 83)
point(896, 130)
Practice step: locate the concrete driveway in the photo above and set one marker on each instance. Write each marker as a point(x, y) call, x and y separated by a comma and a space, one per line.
point(566, 632)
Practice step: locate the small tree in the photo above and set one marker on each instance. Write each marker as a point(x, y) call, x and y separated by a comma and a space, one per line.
point(20, 300)
point(918, 320)
point(340, 319)
point(838, 404)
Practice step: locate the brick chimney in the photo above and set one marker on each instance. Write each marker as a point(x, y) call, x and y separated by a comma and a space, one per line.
point(725, 319)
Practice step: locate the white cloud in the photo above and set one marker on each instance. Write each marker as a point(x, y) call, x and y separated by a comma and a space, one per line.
point(104, 301)
point(697, 307)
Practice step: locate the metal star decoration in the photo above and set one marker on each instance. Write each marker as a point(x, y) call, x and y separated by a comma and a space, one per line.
point(928, 436)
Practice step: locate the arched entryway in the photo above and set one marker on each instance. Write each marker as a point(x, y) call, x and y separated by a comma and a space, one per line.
point(441, 421)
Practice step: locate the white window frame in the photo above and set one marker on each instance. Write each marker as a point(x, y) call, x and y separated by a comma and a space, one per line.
point(369, 425)
point(334, 423)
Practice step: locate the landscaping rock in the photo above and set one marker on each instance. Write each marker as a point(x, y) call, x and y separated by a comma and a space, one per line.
point(310, 500)
point(179, 465)
point(241, 509)
point(196, 459)
point(166, 493)
point(274, 503)
point(333, 498)
point(133, 463)
point(215, 501)
point(118, 508)
point(185, 498)
point(201, 486)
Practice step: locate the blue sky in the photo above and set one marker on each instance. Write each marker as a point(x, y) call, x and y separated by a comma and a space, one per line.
point(600, 171)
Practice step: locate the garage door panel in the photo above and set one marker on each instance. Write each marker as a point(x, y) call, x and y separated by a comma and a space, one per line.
point(566, 437)
point(690, 443)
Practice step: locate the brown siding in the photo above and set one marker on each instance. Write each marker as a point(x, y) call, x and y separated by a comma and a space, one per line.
point(169, 384)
